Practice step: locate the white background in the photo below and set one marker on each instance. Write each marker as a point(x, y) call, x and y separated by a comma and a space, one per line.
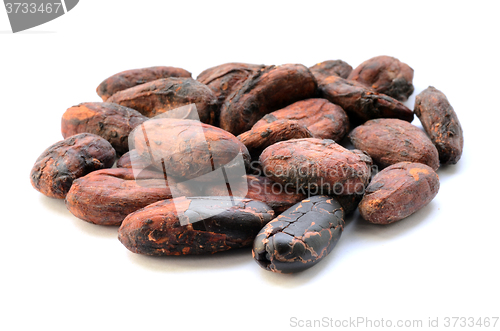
point(61, 273)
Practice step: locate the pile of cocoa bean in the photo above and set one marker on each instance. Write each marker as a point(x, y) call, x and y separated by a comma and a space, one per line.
point(297, 149)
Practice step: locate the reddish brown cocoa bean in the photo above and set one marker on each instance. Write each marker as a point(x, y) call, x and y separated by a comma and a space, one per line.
point(187, 149)
point(330, 68)
point(132, 159)
point(224, 79)
point(324, 119)
point(107, 196)
point(362, 103)
point(257, 139)
point(108, 120)
point(387, 75)
point(60, 164)
point(163, 95)
point(318, 165)
point(260, 188)
point(389, 141)
point(187, 226)
point(441, 124)
point(130, 78)
point(269, 89)
point(398, 191)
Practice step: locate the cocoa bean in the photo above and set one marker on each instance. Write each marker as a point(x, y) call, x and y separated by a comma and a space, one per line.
point(185, 226)
point(389, 141)
point(398, 191)
point(258, 138)
point(60, 164)
point(107, 196)
point(300, 237)
point(269, 89)
point(224, 79)
point(132, 159)
point(317, 165)
point(187, 149)
point(163, 95)
point(330, 68)
point(387, 75)
point(324, 119)
point(441, 124)
point(130, 78)
point(108, 120)
point(360, 102)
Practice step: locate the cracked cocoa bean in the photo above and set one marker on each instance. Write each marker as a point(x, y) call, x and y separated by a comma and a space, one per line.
point(258, 138)
point(389, 141)
point(130, 78)
point(317, 165)
point(329, 68)
point(387, 75)
point(185, 226)
point(60, 164)
point(300, 237)
point(224, 79)
point(360, 102)
point(162, 95)
point(441, 124)
point(398, 191)
point(108, 120)
point(324, 119)
point(187, 149)
point(107, 196)
point(269, 89)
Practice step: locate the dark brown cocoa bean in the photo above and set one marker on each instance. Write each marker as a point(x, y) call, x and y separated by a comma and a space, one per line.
point(258, 138)
point(317, 165)
point(300, 237)
point(269, 89)
point(441, 124)
point(225, 78)
point(398, 191)
point(389, 141)
point(387, 75)
point(60, 164)
point(107, 196)
point(185, 226)
point(330, 68)
point(163, 95)
point(108, 120)
point(130, 78)
point(324, 119)
point(187, 149)
point(362, 103)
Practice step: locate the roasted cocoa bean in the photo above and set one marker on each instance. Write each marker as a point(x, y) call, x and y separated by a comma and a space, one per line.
point(389, 141)
point(107, 196)
point(324, 119)
point(441, 124)
point(224, 79)
point(330, 68)
point(108, 120)
point(317, 165)
point(185, 226)
point(360, 102)
point(387, 75)
point(269, 89)
point(163, 95)
point(398, 191)
point(258, 138)
point(130, 78)
point(60, 164)
point(187, 149)
point(300, 237)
